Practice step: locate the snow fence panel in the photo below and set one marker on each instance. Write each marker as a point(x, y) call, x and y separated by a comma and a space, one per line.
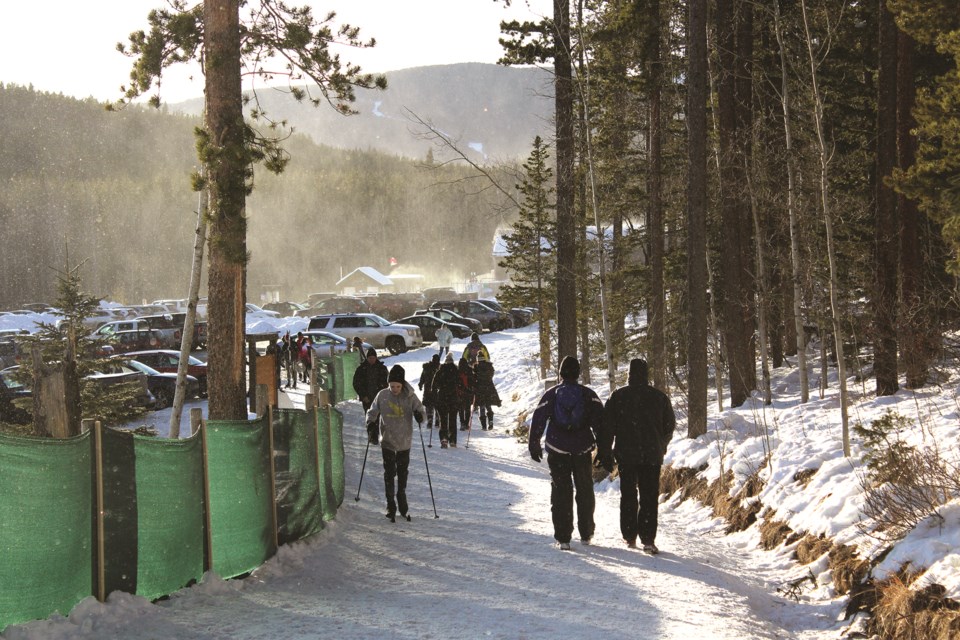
point(296, 464)
point(153, 513)
point(46, 526)
point(349, 363)
point(240, 497)
point(333, 420)
point(328, 497)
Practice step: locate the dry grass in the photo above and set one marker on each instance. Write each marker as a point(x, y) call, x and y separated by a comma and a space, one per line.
point(803, 476)
point(739, 511)
point(847, 569)
point(773, 532)
point(908, 614)
point(811, 547)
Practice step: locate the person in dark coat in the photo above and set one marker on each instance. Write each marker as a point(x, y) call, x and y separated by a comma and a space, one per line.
point(446, 402)
point(289, 360)
point(487, 396)
point(466, 382)
point(638, 423)
point(426, 382)
point(569, 451)
point(369, 378)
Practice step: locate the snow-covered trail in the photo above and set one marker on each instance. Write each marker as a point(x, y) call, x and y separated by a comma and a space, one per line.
point(486, 568)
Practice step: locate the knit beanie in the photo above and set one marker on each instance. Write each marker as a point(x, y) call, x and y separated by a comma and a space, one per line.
point(570, 368)
point(449, 358)
point(371, 352)
point(396, 374)
point(638, 371)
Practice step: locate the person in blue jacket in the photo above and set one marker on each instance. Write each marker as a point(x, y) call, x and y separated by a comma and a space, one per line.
point(571, 415)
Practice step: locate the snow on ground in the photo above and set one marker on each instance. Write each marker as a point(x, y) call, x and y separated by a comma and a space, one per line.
point(488, 566)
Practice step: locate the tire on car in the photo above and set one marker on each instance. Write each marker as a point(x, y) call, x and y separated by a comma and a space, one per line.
point(395, 345)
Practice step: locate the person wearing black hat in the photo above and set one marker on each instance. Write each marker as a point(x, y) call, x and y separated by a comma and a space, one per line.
point(446, 400)
point(369, 378)
point(426, 386)
point(392, 412)
point(638, 423)
point(571, 414)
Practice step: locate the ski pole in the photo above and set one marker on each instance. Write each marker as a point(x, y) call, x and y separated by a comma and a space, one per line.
point(357, 499)
point(429, 482)
point(470, 422)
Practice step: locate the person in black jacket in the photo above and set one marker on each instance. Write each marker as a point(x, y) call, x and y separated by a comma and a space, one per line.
point(638, 423)
point(426, 383)
point(369, 378)
point(487, 396)
point(444, 398)
point(571, 414)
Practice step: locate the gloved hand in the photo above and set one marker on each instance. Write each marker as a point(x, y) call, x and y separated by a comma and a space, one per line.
point(373, 433)
point(606, 461)
point(536, 453)
point(418, 416)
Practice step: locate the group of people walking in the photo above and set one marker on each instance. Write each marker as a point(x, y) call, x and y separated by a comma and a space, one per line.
point(296, 358)
point(451, 391)
point(632, 431)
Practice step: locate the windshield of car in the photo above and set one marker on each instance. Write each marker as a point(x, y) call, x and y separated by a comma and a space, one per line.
point(139, 366)
point(194, 361)
point(380, 321)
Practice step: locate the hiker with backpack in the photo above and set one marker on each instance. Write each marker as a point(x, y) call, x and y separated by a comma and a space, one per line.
point(638, 423)
point(486, 393)
point(571, 415)
point(391, 416)
point(475, 351)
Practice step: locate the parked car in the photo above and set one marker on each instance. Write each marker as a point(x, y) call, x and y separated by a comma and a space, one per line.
point(323, 340)
point(163, 386)
point(316, 298)
point(451, 316)
point(170, 326)
point(285, 309)
point(167, 361)
point(429, 325)
point(379, 332)
point(521, 317)
point(134, 340)
point(153, 327)
point(489, 318)
point(255, 313)
point(20, 389)
point(342, 304)
point(432, 294)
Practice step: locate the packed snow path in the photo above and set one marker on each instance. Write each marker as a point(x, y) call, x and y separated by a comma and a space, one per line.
point(487, 568)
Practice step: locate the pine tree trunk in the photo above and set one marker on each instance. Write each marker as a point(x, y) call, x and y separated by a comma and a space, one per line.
point(887, 229)
point(566, 219)
point(696, 120)
point(915, 324)
point(226, 162)
point(656, 310)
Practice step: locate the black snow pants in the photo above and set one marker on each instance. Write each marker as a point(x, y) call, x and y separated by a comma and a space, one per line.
point(396, 464)
point(569, 472)
point(639, 501)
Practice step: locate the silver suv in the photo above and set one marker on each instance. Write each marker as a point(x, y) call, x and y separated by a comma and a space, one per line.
point(381, 333)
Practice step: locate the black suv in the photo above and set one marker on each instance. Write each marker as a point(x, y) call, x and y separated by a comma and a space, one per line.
point(491, 319)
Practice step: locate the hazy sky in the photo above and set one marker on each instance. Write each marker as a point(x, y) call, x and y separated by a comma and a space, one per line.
point(69, 46)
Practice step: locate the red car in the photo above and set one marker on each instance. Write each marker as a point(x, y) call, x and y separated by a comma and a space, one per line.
point(167, 361)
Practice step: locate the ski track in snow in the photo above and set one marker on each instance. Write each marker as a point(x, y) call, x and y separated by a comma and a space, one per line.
point(487, 568)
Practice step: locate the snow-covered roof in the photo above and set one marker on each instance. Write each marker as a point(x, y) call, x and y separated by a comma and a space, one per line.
point(371, 273)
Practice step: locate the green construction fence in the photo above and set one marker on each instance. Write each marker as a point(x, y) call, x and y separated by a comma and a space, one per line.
point(221, 500)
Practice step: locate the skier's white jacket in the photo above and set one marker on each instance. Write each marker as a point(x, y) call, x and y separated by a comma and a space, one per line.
point(395, 415)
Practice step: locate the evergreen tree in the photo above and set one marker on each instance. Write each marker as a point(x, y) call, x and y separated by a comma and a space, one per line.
point(530, 247)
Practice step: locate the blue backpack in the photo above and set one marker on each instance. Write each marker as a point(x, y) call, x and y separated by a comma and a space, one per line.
point(569, 407)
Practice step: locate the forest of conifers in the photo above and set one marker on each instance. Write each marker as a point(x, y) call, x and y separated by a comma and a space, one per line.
point(818, 145)
point(113, 190)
